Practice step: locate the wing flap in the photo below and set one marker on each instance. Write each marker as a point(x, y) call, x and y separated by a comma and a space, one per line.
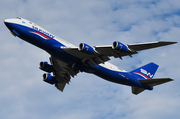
point(109, 51)
point(60, 86)
point(62, 72)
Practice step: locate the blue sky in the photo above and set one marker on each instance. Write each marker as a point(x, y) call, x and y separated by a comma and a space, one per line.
point(23, 94)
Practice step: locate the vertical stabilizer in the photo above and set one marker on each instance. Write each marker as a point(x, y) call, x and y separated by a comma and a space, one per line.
point(146, 71)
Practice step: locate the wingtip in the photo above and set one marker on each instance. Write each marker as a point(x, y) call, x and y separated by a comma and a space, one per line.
point(171, 79)
point(174, 42)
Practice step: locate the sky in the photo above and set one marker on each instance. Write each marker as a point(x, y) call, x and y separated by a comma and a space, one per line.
point(23, 94)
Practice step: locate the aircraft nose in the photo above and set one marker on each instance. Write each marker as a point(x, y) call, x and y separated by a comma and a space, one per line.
point(8, 23)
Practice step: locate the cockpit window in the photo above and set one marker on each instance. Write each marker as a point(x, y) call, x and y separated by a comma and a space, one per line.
point(18, 18)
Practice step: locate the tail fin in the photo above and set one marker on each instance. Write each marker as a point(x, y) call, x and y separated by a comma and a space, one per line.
point(146, 71)
point(145, 74)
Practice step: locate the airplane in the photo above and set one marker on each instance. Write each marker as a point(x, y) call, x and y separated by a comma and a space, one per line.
point(67, 60)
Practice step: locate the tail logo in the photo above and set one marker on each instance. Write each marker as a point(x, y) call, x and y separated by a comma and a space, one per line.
point(146, 73)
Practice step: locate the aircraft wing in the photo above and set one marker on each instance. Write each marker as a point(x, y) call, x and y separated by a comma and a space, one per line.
point(133, 48)
point(102, 53)
point(145, 46)
point(62, 73)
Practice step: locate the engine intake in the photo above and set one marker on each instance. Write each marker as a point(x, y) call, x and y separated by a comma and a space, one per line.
point(45, 67)
point(49, 79)
point(86, 48)
point(119, 46)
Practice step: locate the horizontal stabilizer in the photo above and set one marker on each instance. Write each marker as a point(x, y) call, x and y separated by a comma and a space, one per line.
point(150, 83)
point(154, 82)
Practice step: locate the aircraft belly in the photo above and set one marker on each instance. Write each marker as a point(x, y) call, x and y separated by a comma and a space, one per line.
point(115, 76)
point(67, 60)
point(109, 75)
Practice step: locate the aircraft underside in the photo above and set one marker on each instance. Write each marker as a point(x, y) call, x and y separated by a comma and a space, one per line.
point(67, 60)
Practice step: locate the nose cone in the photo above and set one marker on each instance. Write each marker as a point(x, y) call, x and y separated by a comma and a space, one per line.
point(10, 23)
point(6, 21)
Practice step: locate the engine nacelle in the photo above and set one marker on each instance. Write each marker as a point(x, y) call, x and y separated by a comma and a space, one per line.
point(119, 46)
point(86, 48)
point(45, 67)
point(49, 79)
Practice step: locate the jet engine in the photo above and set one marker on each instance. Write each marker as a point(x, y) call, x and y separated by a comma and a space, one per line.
point(45, 67)
point(86, 48)
point(49, 79)
point(119, 46)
